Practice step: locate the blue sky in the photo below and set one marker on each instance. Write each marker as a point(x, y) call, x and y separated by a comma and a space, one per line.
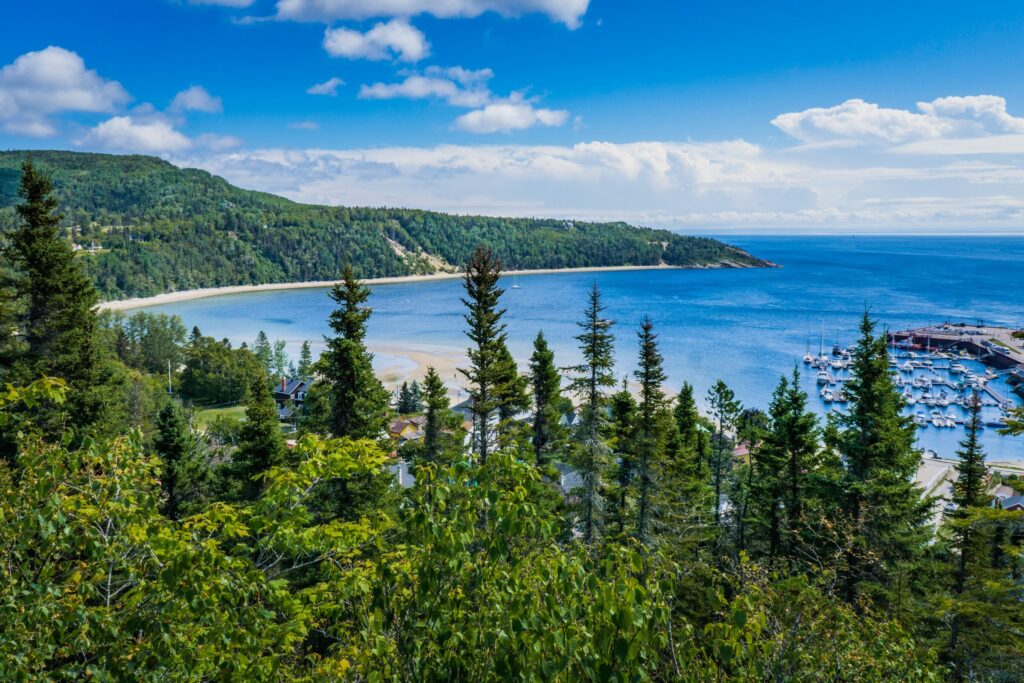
point(693, 115)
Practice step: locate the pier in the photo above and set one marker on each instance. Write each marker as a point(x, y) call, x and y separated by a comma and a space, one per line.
point(999, 347)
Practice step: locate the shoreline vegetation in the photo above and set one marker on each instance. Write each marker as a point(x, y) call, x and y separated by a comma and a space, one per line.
point(206, 292)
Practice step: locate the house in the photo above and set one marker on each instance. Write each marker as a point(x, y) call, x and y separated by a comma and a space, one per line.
point(407, 429)
point(289, 396)
point(1014, 503)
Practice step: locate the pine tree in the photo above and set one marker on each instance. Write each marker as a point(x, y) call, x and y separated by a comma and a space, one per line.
point(621, 431)
point(651, 416)
point(592, 378)
point(437, 404)
point(724, 411)
point(884, 511)
point(486, 373)
point(305, 367)
point(52, 300)
point(260, 443)
point(280, 359)
point(546, 383)
point(184, 476)
point(357, 401)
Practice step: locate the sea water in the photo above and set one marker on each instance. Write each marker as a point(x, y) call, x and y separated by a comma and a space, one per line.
point(746, 327)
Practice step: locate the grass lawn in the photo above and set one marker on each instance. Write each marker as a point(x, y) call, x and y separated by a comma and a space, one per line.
point(205, 417)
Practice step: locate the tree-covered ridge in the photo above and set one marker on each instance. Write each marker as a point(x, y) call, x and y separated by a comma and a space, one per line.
point(158, 228)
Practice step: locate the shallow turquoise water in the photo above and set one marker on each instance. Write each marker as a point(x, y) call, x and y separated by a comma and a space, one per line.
point(744, 326)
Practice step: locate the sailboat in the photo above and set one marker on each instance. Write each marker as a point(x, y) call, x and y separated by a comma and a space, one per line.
point(808, 358)
point(515, 282)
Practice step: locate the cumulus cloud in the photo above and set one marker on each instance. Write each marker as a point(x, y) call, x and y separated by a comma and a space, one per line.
point(455, 85)
point(129, 134)
point(506, 116)
point(460, 87)
point(196, 98)
point(328, 87)
point(38, 85)
point(863, 122)
point(568, 12)
point(396, 39)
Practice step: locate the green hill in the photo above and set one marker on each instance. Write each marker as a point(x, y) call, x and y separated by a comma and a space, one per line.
point(159, 228)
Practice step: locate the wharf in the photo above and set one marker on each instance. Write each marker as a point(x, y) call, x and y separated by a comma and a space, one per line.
point(994, 346)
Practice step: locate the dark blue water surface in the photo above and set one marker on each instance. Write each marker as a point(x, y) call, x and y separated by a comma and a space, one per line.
point(743, 326)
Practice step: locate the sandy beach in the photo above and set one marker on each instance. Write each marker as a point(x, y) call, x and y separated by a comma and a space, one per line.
point(190, 294)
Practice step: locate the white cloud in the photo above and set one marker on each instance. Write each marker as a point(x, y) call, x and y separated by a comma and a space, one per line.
point(457, 86)
point(568, 12)
point(863, 122)
point(328, 87)
point(508, 115)
point(40, 84)
point(223, 3)
point(304, 125)
point(129, 134)
point(396, 39)
point(218, 143)
point(196, 98)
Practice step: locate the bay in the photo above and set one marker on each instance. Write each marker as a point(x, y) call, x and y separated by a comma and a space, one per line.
point(746, 327)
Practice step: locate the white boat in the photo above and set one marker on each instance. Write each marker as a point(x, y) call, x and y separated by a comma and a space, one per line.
point(838, 364)
point(958, 369)
point(906, 367)
point(920, 420)
point(515, 282)
point(823, 377)
point(938, 422)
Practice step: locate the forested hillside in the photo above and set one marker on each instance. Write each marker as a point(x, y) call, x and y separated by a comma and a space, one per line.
point(158, 228)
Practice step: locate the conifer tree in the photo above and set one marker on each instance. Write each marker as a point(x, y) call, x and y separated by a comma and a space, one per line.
point(264, 353)
point(784, 461)
point(686, 416)
point(622, 440)
point(184, 476)
point(651, 417)
point(724, 411)
point(884, 510)
point(487, 355)
point(437, 405)
point(357, 400)
point(402, 404)
point(415, 397)
point(305, 367)
point(512, 395)
point(260, 443)
point(592, 378)
point(50, 303)
point(545, 382)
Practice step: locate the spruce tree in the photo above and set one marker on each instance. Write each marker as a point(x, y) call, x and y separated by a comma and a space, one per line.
point(512, 395)
point(784, 461)
point(885, 515)
point(404, 400)
point(260, 443)
point(651, 417)
point(264, 353)
point(437, 405)
point(546, 383)
point(184, 475)
point(305, 367)
point(724, 411)
point(591, 379)
point(415, 397)
point(621, 432)
point(686, 416)
point(357, 401)
point(487, 355)
point(52, 301)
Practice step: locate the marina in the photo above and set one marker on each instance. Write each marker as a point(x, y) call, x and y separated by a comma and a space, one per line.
point(938, 370)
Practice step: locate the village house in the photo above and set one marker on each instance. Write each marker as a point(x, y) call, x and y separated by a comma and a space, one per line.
point(289, 395)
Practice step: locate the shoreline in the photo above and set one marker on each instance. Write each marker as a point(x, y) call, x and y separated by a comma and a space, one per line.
point(203, 293)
